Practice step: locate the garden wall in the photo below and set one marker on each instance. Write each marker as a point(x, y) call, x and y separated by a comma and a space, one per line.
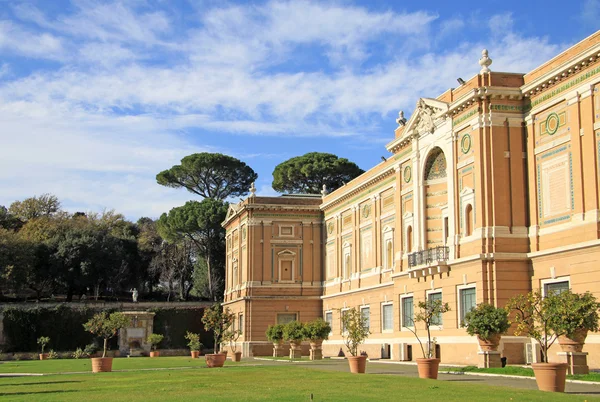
point(21, 324)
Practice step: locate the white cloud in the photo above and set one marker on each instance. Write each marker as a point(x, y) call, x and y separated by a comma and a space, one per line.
point(15, 39)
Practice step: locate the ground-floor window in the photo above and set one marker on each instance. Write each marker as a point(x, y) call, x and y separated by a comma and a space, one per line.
point(407, 312)
point(241, 324)
point(467, 302)
point(329, 319)
point(556, 287)
point(387, 317)
point(284, 318)
point(366, 315)
point(431, 297)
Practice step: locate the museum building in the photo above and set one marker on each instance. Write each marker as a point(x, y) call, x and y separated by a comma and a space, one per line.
point(492, 190)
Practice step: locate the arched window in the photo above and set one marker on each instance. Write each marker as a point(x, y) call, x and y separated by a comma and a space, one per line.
point(468, 220)
point(409, 239)
point(435, 168)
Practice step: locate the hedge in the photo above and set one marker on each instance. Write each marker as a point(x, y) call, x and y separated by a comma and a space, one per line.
point(64, 326)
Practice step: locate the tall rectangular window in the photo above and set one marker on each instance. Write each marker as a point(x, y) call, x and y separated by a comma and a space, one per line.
point(329, 318)
point(468, 301)
point(387, 315)
point(366, 315)
point(436, 320)
point(407, 312)
point(241, 324)
point(344, 312)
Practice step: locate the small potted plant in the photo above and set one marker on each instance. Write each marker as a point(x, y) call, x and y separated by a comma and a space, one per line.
point(275, 335)
point(194, 344)
point(576, 314)
point(293, 332)
point(43, 341)
point(105, 326)
point(534, 315)
point(154, 340)
point(217, 320)
point(231, 337)
point(488, 323)
point(429, 311)
point(316, 332)
point(355, 331)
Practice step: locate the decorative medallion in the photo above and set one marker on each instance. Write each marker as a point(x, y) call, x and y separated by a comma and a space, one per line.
point(366, 211)
point(330, 227)
point(552, 123)
point(465, 143)
point(407, 174)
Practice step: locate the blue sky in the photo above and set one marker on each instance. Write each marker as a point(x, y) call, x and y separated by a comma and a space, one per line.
point(96, 97)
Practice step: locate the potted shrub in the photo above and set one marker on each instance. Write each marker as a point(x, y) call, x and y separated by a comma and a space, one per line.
point(105, 326)
point(231, 337)
point(194, 344)
point(354, 332)
point(275, 335)
point(293, 332)
point(575, 315)
point(217, 320)
point(488, 323)
point(43, 341)
point(316, 332)
point(154, 340)
point(534, 316)
point(428, 312)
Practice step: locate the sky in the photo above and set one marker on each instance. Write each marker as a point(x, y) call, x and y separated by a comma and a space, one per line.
point(97, 97)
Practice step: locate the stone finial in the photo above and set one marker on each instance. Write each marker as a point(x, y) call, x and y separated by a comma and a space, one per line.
point(324, 192)
point(252, 190)
point(401, 120)
point(485, 62)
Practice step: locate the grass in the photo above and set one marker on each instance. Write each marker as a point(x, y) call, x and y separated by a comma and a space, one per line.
point(238, 382)
point(520, 371)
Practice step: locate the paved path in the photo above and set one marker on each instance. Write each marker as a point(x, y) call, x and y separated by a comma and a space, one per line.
point(410, 370)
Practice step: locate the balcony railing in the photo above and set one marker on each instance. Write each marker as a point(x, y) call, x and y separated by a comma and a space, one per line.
point(440, 253)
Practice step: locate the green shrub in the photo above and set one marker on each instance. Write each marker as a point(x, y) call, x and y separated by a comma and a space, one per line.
point(52, 354)
point(154, 340)
point(486, 320)
point(317, 330)
point(193, 341)
point(106, 326)
point(293, 331)
point(356, 331)
point(43, 341)
point(79, 354)
point(275, 333)
point(573, 312)
point(90, 349)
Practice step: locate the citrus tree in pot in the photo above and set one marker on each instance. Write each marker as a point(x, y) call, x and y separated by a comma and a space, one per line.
point(293, 332)
point(231, 337)
point(275, 334)
point(194, 344)
point(354, 331)
point(217, 320)
point(316, 332)
point(105, 326)
point(154, 340)
point(488, 323)
point(575, 315)
point(429, 314)
point(533, 315)
point(43, 341)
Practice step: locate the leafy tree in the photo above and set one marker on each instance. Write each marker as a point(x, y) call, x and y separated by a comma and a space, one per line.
point(34, 207)
point(210, 175)
point(106, 326)
point(8, 220)
point(199, 222)
point(354, 329)
point(429, 313)
point(308, 173)
point(218, 320)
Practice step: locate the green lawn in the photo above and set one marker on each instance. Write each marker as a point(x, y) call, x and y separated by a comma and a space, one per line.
point(517, 370)
point(239, 382)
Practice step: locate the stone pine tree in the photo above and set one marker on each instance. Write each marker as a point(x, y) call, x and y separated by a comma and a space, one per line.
point(210, 175)
point(200, 222)
point(308, 173)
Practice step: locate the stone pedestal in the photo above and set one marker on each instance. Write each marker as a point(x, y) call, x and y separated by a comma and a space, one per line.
point(295, 352)
point(489, 360)
point(278, 351)
point(316, 354)
point(576, 362)
point(133, 340)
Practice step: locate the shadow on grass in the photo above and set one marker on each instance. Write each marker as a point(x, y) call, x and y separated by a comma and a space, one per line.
point(36, 392)
point(463, 379)
point(38, 383)
point(583, 393)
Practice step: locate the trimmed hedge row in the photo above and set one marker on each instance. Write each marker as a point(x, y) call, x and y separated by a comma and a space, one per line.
point(64, 326)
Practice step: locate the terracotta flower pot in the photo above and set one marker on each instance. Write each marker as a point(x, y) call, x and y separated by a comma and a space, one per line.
point(358, 364)
point(574, 343)
point(237, 356)
point(550, 376)
point(223, 352)
point(215, 359)
point(195, 354)
point(428, 368)
point(154, 353)
point(490, 344)
point(102, 364)
point(43, 356)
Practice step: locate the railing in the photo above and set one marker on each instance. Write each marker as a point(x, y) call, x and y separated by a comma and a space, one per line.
point(439, 253)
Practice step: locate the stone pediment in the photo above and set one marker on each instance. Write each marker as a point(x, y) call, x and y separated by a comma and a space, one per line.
point(233, 209)
point(427, 114)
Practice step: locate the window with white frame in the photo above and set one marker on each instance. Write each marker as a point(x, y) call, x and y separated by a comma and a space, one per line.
point(387, 317)
point(467, 301)
point(407, 306)
point(342, 325)
point(284, 318)
point(431, 297)
point(329, 319)
point(241, 324)
point(556, 286)
point(365, 312)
